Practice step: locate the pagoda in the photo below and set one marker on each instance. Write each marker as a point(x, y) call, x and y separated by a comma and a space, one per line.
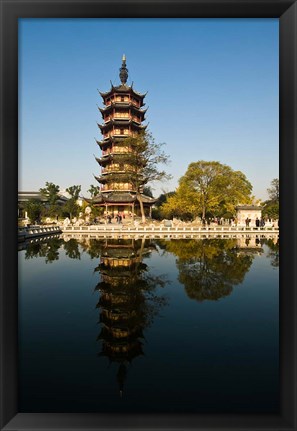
point(123, 115)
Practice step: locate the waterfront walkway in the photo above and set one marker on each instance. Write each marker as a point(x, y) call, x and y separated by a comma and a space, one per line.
point(149, 230)
point(159, 231)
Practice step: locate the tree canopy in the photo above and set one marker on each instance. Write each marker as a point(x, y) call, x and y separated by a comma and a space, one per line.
point(71, 207)
point(94, 190)
point(34, 209)
point(271, 206)
point(273, 191)
point(208, 188)
point(51, 193)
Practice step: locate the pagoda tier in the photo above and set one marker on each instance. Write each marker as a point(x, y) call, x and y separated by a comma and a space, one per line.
point(110, 197)
point(119, 177)
point(110, 141)
point(121, 352)
point(120, 332)
point(125, 106)
point(117, 157)
point(114, 126)
point(105, 159)
point(109, 300)
point(123, 93)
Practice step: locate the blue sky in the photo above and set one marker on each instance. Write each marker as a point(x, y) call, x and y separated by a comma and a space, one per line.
point(212, 94)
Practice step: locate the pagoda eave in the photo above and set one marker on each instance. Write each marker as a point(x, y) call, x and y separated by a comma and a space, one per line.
point(121, 105)
point(113, 197)
point(107, 142)
point(103, 160)
point(100, 179)
point(120, 123)
point(122, 89)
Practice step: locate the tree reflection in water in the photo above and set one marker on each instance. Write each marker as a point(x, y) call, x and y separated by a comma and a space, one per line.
point(71, 248)
point(273, 253)
point(209, 268)
point(49, 249)
point(128, 302)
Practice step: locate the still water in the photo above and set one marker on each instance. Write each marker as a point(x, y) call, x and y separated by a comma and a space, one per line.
point(145, 325)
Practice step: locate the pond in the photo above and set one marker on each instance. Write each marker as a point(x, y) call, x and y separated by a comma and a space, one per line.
point(149, 325)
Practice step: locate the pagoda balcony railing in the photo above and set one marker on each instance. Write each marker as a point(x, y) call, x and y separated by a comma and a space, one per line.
point(105, 171)
point(122, 117)
point(115, 151)
point(123, 103)
point(119, 116)
point(106, 189)
point(114, 118)
point(118, 135)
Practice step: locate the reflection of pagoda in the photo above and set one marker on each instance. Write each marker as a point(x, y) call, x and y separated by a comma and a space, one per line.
point(122, 303)
point(123, 117)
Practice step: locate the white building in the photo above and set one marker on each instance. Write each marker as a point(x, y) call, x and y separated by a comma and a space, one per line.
point(251, 212)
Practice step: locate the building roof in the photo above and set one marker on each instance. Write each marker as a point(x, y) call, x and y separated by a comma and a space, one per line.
point(123, 88)
point(24, 196)
point(119, 197)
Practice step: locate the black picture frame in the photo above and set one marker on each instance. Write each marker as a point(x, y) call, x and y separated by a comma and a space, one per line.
point(11, 11)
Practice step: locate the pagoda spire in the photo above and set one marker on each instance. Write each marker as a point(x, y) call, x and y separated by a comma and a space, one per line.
point(123, 71)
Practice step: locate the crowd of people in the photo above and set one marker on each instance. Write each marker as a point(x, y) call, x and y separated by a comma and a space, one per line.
point(118, 217)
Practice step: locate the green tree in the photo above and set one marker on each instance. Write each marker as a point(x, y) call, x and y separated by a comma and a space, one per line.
point(209, 188)
point(273, 191)
point(71, 207)
point(183, 204)
point(271, 209)
point(34, 209)
point(74, 191)
point(141, 164)
point(51, 193)
point(271, 206)
point(157, 212)
point(163, 198)
point(94, 190)
point(148, 191)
